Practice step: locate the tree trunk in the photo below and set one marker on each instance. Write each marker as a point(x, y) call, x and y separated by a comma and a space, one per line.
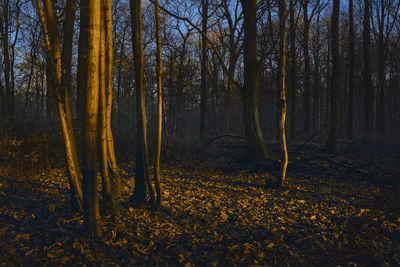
point(112, 162)
point(282, 85)
point(159, 107)
point(307, 95)
point(256, 149)
point(82, 57)
point(52, 41)
point(203, 83)
point(4, 28)
point(90, 182)
point(367, 70)
point(293, 73)
point(110, 173)
point(142, 171)
point(335, 81)
point(350, 128)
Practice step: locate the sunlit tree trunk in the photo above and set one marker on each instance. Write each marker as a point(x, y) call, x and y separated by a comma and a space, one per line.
point(108, 199)
point(82, 57)
point(159, 106)
point(52, 40)
point(335, 80)
point(66, 85)
point(282, 85)
point(112, 162)
point(90, 182)
point(142, 171)
point(110, 173)
point(256, 149)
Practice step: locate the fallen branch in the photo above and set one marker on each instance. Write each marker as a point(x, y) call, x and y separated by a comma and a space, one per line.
point(218, 137)
point(344, 165)
point(308, 140)
point(324, 158)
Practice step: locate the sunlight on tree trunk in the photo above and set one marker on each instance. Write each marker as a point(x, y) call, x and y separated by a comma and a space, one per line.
point(159, 106)
point(90, 182)
point(282, 85)
point(52, 42)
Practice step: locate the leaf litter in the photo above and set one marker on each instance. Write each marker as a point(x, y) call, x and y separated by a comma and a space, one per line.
point(324, 216)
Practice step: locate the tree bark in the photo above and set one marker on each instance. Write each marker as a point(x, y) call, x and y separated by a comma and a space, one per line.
point(350, 128)
point(367, 69)
point(307, 95)
point(90, 182)
point(52, 41)
point(159, 106)
point(293, 73)
point(203, 83)
point(142, 171)
point(256, 149)
point(335, 81)
point(282, 85)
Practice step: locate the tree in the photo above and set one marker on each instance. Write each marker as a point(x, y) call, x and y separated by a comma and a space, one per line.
point(9, 11)
point(351, 71)
point(385, 14)
point(110, 173)
point(307, 18)
point(256, 149)
point(282, 85)
point(159, 106)
point(142, 171)
point(335, 80)
point(293, 71)
point(367, 69)
point(203, 84)
point(52, 40)
point(90, 197)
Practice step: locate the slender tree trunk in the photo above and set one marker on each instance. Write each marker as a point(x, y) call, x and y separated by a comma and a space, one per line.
point(256, 149)
point(28, 88)
point(142, 171)
point(335, 81)
point(367, 70)
point(293, 73)
point(66, 85)
point(282, 85)
point(52, 41)
point(380, 103)
point(350, 128)
point(108, 199)
point(112, 162)
point(110, 173)
point(82, 57)
point(203, 84)
point(159, 106)
point(4, 31)
point(307, 95)
point(90, 182)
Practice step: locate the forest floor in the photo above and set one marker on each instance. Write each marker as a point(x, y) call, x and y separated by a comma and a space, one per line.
point(335, 210)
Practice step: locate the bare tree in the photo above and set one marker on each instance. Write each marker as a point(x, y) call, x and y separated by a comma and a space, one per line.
point(335, 80)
